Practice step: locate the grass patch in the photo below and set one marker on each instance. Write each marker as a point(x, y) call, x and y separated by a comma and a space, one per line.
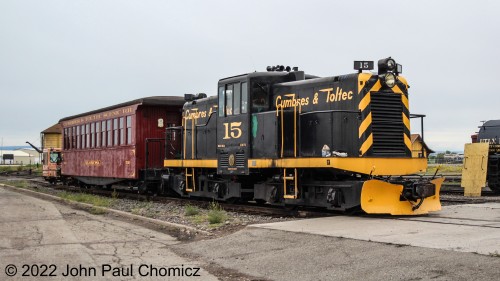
point(216, 213)
point(444, 169)
point(8, 169)
point(198, 219)
point(17, 183)
point(97, 211)
point(191, 210)
point(144, 209)
point(20, 168)
point(114, 194)
point(87, 198)
point(495, 254)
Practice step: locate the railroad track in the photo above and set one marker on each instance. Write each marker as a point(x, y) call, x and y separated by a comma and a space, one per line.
point(246, 208)
point(449, 196)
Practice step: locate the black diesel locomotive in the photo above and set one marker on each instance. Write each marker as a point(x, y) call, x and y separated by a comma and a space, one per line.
point(288, 138)
point(489, 132)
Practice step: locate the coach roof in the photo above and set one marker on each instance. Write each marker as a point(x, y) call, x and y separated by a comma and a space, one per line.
point(156, 100)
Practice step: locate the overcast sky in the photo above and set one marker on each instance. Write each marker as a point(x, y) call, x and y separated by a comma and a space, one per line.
point(64, 57)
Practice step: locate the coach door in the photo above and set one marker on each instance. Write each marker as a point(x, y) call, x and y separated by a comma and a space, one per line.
point(232, 129)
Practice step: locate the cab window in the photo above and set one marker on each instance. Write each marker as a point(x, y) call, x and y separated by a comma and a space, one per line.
point(244, 97)
point(54, 157)
point(233, 99)
point(229, 99)
point(237, 99)
point(222, 103)
point(260, 101)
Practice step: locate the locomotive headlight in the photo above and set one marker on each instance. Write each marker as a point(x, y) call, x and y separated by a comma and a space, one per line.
point(390, 79)
point(386, 65)
point(391, 64)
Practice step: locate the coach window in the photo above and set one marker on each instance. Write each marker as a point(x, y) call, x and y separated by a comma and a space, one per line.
point(92, 135)
point(74, 138)
point(221, 101)
point(65, 144)
point(77, 137)
point(66, 138)
point(122, 130)
point(129, 129)
point(70, 131)
point(115, 132)
point(110, 133)
point(244, 97)
point(103, 133)
point(82, 136)
point(87, 130)
point(97, 134)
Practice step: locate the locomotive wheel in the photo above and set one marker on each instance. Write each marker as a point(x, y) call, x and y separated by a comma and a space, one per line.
point(260, 201)
point(232, 200)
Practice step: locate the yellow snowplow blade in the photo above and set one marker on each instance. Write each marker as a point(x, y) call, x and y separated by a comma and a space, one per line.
point(379, 197)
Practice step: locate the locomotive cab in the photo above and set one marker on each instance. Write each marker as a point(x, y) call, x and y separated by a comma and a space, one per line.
point(52, 164)
point(240, 99)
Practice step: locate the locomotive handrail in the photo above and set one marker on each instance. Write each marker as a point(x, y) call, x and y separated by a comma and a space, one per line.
point(421, 116)
point(333, 110)
point(174, 128)
point(208, 120)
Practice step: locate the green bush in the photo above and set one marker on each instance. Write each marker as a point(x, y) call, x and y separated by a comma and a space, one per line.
point(216, 213)
point(191, 210)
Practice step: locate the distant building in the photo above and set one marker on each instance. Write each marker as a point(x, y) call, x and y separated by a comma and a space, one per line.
point(418, 147)
point(19, 157)
point(453, 158)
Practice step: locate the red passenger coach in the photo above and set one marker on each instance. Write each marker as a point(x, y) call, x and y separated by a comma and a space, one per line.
point(121, 142)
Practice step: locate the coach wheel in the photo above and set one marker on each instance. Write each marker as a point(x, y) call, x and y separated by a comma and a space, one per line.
point(143, 188)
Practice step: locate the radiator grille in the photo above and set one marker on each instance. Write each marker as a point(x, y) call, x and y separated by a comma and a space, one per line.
point(387, 125)
point(223, 160)
point(239, 160)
